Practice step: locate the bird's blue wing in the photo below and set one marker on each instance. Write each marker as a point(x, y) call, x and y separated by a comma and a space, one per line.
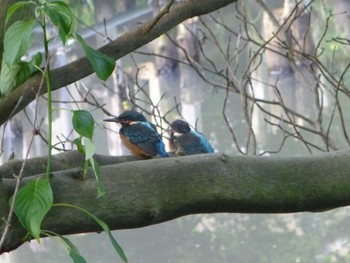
point(204, 142)
point(193, 143)
point(143, 136)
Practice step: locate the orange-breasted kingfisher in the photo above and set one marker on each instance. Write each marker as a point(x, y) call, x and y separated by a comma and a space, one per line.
point(186, 141)
point(139, 135)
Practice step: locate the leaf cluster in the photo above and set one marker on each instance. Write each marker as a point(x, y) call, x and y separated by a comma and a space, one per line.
point(19, 38)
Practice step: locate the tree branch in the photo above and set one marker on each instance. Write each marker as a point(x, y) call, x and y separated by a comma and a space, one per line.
point(116, 49)
point(146, 192)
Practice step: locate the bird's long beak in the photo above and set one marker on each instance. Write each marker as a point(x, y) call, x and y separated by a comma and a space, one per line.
point(112, 119)
point(169, 130)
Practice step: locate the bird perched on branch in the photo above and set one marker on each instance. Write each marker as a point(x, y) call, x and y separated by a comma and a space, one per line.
point(139, 135)
point(185, 141)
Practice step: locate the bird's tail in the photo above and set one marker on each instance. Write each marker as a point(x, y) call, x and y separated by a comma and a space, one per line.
point(161, 150)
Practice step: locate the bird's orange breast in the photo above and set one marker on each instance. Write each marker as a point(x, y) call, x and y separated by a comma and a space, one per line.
point(134, 149)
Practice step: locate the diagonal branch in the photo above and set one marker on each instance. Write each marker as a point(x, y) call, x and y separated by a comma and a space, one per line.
point(116, 49)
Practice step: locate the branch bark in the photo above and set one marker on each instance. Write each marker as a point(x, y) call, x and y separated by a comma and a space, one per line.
point(130, 41)
point(146, 192)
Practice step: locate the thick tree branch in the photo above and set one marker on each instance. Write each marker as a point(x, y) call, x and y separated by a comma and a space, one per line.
point(141, 193)
point(123, 45)
point(62, 161)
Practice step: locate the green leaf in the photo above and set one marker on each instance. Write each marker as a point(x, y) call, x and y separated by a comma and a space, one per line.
point(14, 75)
point(96, 169)
point(13, 8)
point(62, 16)
point(80, 146)
point(104, 226)
point(85, 167)
point(32, 203)
point(37, 59)
point(76, 257)
point(114, 242)
point(90, 147)
point(73, 251)
point(27, 69)
point(8, 78)
point(101, 63)
point(83, 123)
point(18, 39)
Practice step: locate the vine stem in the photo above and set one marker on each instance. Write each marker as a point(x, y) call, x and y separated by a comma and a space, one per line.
point(49, 98)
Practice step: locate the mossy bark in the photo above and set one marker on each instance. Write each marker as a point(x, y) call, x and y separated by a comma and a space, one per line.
point(146, 192)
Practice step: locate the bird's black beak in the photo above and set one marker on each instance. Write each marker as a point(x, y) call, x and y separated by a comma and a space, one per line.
point(112, 119)
point(170, 130)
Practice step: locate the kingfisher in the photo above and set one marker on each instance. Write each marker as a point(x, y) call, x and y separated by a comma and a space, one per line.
point(139, 135)
point(185, 141)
